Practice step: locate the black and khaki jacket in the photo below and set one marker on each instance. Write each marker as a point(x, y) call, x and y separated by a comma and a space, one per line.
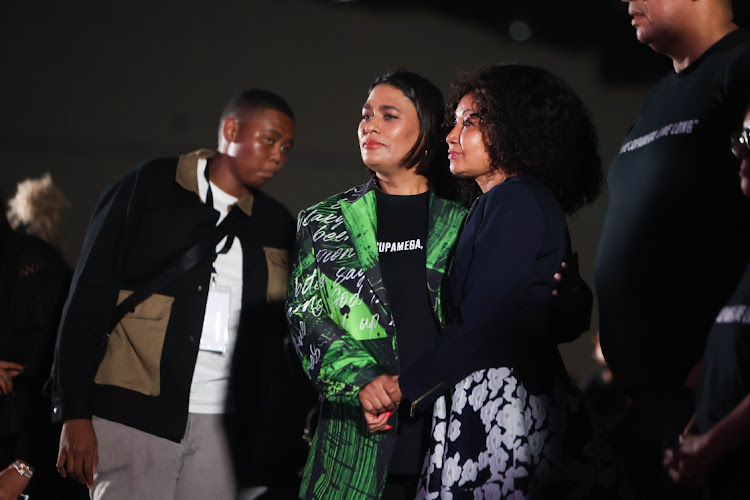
point(140, 373)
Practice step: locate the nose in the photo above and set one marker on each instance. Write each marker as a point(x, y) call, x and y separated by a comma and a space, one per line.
point(370, 125)
point(452, 136)
point(277, 155)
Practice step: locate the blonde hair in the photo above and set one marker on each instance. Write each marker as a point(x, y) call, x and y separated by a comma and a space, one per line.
point(36, 208)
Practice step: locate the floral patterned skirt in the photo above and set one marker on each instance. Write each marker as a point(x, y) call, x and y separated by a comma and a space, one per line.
point(495, 440)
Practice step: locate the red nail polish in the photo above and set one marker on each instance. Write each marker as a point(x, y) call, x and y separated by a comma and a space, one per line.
point(388, 427)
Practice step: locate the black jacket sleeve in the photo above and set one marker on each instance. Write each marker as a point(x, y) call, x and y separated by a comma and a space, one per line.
point(86, 317)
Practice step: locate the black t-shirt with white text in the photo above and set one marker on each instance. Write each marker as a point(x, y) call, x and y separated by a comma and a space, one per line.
point(402, 238)
point(675, 218)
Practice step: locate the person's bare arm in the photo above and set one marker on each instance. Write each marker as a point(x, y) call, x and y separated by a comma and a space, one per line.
point(12, 483)
point(696, 454)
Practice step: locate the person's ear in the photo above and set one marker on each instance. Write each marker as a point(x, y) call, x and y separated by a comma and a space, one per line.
point(230, 129)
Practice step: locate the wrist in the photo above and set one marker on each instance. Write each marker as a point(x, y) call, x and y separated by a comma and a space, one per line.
point(717, 445)
point(23, 468)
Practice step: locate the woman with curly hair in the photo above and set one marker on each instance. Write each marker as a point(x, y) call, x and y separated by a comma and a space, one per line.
point(364, 297)
point(513, 424)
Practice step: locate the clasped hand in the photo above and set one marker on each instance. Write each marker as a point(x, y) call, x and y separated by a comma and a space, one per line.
point(690, 459)
point(379, 399)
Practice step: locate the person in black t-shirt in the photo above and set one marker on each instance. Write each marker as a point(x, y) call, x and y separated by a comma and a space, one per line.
point(715, 446)
point(673, 220)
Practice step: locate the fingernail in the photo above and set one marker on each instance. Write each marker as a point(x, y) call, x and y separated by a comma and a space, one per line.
point(388, 427)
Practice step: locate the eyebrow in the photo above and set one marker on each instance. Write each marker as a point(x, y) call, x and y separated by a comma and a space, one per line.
point(277, 133)
point(468, 113)
point(383, 107)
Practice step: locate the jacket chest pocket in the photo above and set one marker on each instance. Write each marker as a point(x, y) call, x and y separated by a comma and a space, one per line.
point(277, 261)
point(133, 356)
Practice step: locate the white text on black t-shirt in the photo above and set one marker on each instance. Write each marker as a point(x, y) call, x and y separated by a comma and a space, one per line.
point(399, 246)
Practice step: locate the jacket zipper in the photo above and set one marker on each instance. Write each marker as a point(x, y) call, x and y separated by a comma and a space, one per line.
point(420, 398)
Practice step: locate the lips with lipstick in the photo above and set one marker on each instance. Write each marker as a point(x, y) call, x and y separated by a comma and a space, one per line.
point(369, 143)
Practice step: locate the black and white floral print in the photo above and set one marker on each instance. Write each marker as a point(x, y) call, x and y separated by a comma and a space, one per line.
point(495, 440)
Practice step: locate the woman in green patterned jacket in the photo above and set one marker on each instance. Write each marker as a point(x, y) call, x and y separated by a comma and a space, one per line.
point(364, 292)
point(365, 261)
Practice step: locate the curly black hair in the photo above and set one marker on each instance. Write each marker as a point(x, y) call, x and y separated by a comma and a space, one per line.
point(533, 123)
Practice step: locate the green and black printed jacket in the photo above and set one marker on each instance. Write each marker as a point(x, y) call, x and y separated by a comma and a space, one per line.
point(341, 323)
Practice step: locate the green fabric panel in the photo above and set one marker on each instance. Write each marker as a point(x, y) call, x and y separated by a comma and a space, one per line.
point(361, 220)
point(348, 456)
point(446, 219)
point(358, 320)
point(345, 369)
point(444, 233)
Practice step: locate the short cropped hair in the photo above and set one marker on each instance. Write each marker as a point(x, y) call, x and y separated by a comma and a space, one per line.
point(252, 100)
point(534, 123)
point(255, 99)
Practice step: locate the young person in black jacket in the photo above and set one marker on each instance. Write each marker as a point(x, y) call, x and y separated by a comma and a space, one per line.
point(149, 398)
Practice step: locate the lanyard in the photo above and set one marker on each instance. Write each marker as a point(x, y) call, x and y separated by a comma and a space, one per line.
point(224, 223)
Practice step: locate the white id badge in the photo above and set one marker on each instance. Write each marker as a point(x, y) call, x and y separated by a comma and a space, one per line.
point(215, 335)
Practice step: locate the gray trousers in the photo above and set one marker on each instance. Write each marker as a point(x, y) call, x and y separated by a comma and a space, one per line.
point(136, 465)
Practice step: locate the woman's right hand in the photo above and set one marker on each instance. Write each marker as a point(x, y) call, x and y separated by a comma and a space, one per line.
point(379, 399)
point(380, 395)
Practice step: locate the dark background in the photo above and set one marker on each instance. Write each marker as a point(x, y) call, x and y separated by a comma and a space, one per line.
point(91, 89)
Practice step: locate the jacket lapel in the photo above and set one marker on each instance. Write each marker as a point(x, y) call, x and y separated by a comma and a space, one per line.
point(360, 219)
point(443, 227)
